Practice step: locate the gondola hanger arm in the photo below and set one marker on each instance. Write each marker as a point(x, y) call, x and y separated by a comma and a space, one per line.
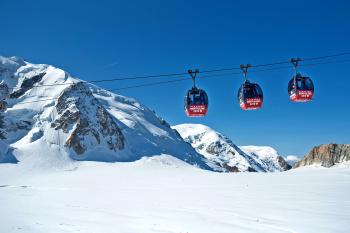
point(295, 62)
point(244, 69)
point(193, 75)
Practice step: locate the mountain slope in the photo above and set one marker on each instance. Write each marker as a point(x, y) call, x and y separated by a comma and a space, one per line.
point(223, 152)
point(78, 121)
point(326, 155)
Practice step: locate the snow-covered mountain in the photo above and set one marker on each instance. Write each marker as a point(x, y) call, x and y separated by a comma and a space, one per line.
point(270, 157)
point(78, 121)
point(223, 152)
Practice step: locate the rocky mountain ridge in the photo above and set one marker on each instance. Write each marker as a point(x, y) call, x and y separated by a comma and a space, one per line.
point(326, 155)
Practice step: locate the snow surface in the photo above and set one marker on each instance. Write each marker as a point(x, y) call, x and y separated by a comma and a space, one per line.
point(164, 194)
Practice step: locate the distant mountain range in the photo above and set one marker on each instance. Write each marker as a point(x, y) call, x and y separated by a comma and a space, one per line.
point(222, 151)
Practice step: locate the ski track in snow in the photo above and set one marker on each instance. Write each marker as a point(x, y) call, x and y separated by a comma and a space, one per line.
point(164, 194)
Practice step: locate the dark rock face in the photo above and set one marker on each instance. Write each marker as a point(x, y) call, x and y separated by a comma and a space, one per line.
point(230, 168)
point(88, 122)
point(2, 126)
point(326, 155)
point(215, 148)
point(26, 85)
point(284, 165)
point(250, 169)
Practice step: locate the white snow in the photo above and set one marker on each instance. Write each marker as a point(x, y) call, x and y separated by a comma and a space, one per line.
point(164, 194)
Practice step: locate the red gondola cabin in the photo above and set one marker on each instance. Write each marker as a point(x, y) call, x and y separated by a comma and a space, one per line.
point(250, 96)
point(196, 103)
point(300, 89)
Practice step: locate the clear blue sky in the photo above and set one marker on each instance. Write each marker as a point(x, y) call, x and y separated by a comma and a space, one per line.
point(106, 39)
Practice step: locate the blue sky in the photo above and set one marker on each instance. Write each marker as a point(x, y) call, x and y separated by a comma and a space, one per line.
point(106, 39)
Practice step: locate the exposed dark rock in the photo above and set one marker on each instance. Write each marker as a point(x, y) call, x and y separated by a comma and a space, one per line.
point(23, 125)
point(326, 155)
point(214, 148)
point(230, 169)
point(13, 126)
point(2, 126)
point(81, 114)
point(27, 84)
point(3, 106)
point(284, 165)
point(250, 169)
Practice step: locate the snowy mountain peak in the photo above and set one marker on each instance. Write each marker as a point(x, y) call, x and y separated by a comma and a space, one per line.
point(53, 117)
point(199, 134)
point(222, 151)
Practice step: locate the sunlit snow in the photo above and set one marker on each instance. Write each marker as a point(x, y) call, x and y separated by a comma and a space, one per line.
point(164, 194)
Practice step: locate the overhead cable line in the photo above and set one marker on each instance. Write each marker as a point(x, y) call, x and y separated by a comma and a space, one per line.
point(221, 75)
point(205, 76)
point(185, 73)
